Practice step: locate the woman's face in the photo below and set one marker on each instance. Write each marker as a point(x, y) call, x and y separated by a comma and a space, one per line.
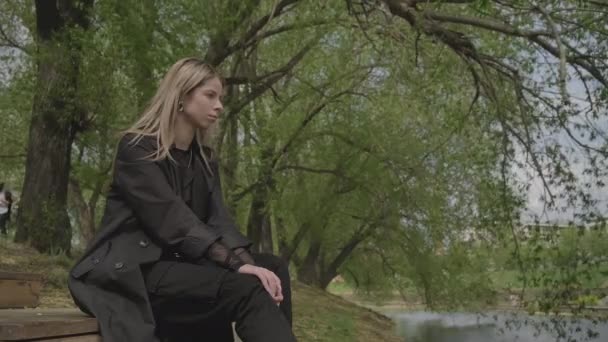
point(203, 105)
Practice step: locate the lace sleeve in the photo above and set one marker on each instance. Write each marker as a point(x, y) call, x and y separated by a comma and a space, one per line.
point(224, 256)
point(244, 255)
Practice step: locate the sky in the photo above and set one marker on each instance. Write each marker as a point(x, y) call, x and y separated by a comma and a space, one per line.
point(535, 204)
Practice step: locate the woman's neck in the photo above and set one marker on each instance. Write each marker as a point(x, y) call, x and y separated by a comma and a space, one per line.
point(184, 133)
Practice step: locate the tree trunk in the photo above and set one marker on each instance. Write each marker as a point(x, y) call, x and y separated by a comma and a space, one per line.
point(287, 250)
point(307, 272)
point(259, 228)
point(331, 271)
point(84, 216)
point(227, 146)
point(42, 219)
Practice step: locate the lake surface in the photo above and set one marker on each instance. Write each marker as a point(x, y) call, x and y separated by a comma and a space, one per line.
point(496, 327)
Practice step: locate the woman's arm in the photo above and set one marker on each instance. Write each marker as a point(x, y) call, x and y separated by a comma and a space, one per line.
point(224, 256)
point(244, 255)
point(162, 213)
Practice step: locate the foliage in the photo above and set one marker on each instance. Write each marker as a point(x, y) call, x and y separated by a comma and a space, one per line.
point(393, 142)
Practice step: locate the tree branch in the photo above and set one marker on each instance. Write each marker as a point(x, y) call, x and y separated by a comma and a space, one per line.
point(295, 242)
point(309, 117)
point(220, 45)
point(491, 25)
point(269, 80)
point(10, 43)
point(346, 250)
point(10, 156)
point(463, 46)
point(247, 42)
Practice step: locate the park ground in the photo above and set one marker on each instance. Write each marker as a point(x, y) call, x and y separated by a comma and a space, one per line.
point(318, 315)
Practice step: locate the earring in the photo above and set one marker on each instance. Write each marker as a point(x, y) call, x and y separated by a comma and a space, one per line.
point(180, 107)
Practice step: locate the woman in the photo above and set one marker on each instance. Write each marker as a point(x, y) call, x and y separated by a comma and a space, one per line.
point(168, 260)
point(6, 202)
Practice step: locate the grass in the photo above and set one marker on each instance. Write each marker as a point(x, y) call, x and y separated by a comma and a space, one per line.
point(318, 315)
point(321, 316)
point(341, 288)
point(18, 258)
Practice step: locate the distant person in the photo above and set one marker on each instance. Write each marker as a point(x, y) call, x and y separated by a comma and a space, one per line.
point(6, 202)
point(168, 260)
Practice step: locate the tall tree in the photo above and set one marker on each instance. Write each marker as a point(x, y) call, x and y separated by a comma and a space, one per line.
point(56, 119)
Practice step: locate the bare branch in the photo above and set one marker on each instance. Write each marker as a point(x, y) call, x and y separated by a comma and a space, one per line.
point(290, 250)
point(491, 25)
point(247, 42)
point(11, 156)
point(601, 3)
point(574, 60)
point(334, 172)
point(418, 2)
point(270, 80)
point(221, 48)
point(562, 54)
point(463, 45)
point(11, 43)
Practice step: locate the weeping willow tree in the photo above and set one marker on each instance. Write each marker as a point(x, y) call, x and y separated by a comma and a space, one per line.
point(383, 141)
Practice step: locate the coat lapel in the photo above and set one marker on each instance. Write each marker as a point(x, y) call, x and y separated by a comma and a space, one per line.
point(188, 178)
point(201, 189)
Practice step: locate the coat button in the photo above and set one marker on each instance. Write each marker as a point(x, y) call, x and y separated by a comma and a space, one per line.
point(95, 261)
point(143, 243)
point(118, 265)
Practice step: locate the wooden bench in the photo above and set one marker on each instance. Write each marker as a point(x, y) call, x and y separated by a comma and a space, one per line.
point(19, 290)
point(19, 321)
point(49, 325)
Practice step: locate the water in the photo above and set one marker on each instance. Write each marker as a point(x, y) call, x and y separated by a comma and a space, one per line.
point(496, 327)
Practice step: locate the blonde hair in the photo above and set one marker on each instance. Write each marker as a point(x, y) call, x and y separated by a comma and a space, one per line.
point(159, 117)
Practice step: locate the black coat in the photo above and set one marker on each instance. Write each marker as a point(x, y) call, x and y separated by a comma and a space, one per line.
point(145, 215)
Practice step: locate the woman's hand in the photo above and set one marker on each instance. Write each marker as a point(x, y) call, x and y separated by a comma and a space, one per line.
point(271, 282)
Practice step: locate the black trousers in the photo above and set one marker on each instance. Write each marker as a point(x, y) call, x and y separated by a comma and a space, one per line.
point(3, 222)
point(188, 308)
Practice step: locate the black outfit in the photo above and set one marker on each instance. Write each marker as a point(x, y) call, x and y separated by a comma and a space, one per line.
point(217, 251)
point(197, 314)
point(4, 218)
point(163, 261)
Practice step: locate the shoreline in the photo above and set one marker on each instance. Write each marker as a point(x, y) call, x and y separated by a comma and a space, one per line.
point(390, 307)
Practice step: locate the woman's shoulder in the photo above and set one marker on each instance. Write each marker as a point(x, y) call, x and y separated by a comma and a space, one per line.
point(132, 146)
point(143, 141)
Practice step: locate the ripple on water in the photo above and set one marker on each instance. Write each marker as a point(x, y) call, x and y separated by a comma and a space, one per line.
point(422, 326)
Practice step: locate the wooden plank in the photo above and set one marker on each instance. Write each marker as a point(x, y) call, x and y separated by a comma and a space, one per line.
point(28, 324)
point(19, 293)
point(20, 276)
point(79, 338)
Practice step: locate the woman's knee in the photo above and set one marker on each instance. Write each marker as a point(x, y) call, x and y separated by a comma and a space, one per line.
point(240, 295)
point(242, 286)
